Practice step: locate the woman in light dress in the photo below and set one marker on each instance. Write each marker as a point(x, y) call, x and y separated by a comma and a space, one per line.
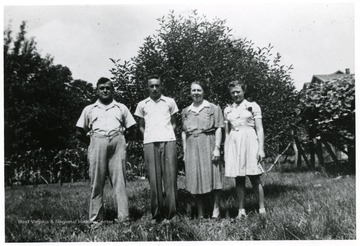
point(244, 145)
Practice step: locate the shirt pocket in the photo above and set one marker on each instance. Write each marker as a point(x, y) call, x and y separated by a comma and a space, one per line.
point(94, 116)
point(119, 119)
point(207, 121)
point(190, 122)
point(92, 120)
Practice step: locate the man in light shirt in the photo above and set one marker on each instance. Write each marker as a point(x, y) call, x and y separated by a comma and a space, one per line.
point(105, 122)
point(157, 123)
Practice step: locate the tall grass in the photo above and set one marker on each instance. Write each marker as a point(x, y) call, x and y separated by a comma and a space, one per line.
point(301, 206)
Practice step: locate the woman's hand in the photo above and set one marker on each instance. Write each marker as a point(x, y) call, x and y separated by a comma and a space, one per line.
point(216, 154)
point(260, 155)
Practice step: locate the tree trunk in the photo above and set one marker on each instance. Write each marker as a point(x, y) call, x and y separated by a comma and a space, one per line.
point(319, 152)
point(60, 175)
point(312, 153)
point(297, 154)
point(72, 175)
point(331, 152)
point(302, 153)
point(285, 158)
point(351, 158)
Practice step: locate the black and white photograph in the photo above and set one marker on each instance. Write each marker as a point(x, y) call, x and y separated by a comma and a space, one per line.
point(179, 122)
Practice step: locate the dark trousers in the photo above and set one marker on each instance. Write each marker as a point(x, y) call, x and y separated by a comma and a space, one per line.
point(161, 162)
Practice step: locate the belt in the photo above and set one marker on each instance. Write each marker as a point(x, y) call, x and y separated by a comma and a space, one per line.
point(109, 136)
point(196, 133)
point(237, 128)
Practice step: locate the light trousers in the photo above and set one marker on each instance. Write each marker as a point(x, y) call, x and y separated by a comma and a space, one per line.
point(161, 161)
point(107, 156)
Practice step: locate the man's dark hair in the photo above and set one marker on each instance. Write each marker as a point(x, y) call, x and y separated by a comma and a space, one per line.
point(103, 80)
point(153, 76)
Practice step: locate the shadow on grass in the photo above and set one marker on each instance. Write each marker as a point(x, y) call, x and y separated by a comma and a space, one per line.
point(328, 169)
point(110, 214)
point(275, 190)
point(229, 203)
point(134, 213)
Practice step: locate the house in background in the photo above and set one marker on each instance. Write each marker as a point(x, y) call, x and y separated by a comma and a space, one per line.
point(327, 77)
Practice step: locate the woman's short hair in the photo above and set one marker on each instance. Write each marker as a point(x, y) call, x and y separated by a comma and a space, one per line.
point(238, 82)
point(202, 84)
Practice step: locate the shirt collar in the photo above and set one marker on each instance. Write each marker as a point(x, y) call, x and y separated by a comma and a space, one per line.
point(244, 102)
point(204, 104)
point(161, 98)
point(101, 105)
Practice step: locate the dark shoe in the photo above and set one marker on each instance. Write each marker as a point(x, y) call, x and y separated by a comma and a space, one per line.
point(172, 218)
point(96, 225)
point(157, 218)
point(124, 220)
point(201, 217)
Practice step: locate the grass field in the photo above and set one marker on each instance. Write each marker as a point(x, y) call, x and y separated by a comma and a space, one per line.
point(301, 206)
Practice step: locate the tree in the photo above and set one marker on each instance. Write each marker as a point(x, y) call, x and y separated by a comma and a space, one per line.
point(192, 48)
point(41, 101)
point(327, 109)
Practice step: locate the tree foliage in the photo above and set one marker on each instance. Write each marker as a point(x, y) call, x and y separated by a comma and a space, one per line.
point(328, 110)
point(41, 100)
point(186, 49)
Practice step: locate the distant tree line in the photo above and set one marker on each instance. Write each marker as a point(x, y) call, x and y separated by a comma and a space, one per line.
point(42, 103)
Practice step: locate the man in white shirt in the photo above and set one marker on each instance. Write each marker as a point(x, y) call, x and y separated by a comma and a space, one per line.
point(157, 123)
point(105, 122)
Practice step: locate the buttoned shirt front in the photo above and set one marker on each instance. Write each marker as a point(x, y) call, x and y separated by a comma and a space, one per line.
point(204, 104)
point(105, 119)
point(243, 114)
point(157, 116)
point(207, 117)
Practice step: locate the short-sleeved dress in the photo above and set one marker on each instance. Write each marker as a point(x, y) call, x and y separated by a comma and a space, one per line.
point(241, 146)
point(202, 175)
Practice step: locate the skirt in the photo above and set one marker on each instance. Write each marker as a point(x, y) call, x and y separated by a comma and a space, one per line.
point(241, 147)
point(202, 175)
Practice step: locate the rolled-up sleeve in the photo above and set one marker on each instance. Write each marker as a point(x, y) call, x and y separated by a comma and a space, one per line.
point(139, 110)
point(128, 118)
point(83, 121)
point(173, 107)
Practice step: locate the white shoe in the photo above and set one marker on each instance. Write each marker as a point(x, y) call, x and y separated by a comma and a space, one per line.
point(262, 211)
point(242, 214)
point(215, 214)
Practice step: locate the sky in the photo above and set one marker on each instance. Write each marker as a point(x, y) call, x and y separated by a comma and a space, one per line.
point(314, 37)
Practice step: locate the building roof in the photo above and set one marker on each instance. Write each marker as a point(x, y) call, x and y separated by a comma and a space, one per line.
point(327, 77)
